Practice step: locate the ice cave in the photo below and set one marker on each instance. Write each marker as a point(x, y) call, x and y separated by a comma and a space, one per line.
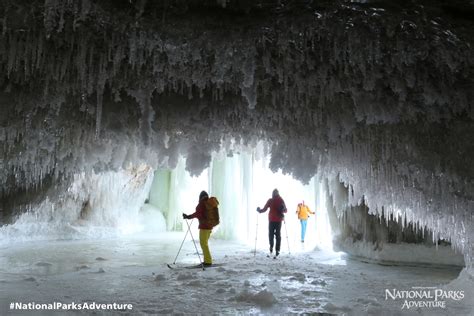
point(116, 114)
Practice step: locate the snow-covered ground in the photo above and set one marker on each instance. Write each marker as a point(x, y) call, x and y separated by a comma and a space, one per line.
point(134, 271)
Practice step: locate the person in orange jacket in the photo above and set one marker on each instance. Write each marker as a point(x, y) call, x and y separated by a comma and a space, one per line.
point(205, 228)
point(275, 217)
point(303, 212)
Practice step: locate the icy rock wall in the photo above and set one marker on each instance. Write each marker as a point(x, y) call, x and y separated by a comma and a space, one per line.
point(94, 205)
point(381, 95)
point(402, 253)
point(383, 238)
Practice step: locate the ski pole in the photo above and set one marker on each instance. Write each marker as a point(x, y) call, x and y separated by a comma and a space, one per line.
point(186, 235)
point(286, 231)
point(256, 234)
point(197, 251)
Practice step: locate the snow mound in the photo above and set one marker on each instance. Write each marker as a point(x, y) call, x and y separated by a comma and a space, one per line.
point(185, 276)
point(298, 277)
point(82, 267)
point(368, 301)
point(160, 277)
point(263, 298)
point(331, 307)
point(319, 282)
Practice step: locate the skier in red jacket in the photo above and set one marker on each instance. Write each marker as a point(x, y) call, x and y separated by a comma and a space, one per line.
point(275, 217)
point(205, 228)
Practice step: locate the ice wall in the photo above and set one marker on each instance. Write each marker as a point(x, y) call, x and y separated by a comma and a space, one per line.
point(228, 178)
point(226, 183)
point(184, 194)
point(387, 239)
point(94, 206)
point(380, 95)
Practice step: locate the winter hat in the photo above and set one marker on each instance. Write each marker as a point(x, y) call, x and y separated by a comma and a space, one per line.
point(203, 195)
point(275, 193)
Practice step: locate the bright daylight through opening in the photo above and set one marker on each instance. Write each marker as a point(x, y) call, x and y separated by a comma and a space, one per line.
point(241, 184)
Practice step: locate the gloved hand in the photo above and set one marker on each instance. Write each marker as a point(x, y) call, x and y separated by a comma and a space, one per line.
point(259, 209)
point(185, 216)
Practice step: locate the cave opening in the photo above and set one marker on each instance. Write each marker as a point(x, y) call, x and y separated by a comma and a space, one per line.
point(242, 183)
point(115, 115)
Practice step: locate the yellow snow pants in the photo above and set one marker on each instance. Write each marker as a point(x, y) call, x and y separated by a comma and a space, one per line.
point(204, 235)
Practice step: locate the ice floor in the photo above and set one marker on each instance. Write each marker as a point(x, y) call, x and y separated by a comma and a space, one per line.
point(134, 271)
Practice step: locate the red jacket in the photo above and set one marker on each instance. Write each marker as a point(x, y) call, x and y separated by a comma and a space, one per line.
point(277, 208)
point(200, 215)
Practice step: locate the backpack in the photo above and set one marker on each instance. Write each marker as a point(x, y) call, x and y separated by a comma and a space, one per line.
point(282, 209)
point(212, 212)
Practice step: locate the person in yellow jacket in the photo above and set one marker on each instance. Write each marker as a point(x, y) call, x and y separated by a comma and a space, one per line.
point(303, 212)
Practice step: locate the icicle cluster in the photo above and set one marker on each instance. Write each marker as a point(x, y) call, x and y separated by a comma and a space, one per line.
point(381, 97)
